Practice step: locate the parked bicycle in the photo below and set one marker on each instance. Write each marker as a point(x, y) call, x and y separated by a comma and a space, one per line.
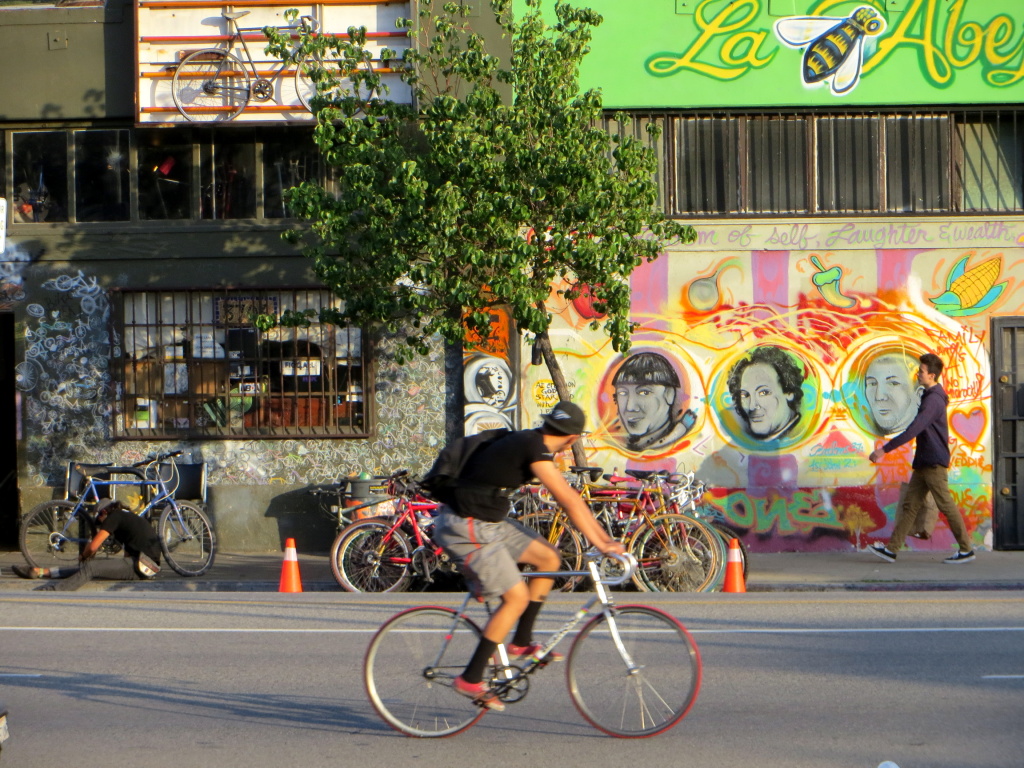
point(213, 84)
point(633, 671)
point(54, 533)
point(387, 553)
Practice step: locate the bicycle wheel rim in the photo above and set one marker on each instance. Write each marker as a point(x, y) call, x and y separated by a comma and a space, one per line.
point(652, 699)
point(565, 540)
point(210, 86)
point(677, 554)
point(187, 539)
point(409, 667)
point(41, 536)
point(370, 559)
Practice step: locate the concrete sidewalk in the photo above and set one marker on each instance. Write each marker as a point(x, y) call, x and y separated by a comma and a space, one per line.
point(775, 572)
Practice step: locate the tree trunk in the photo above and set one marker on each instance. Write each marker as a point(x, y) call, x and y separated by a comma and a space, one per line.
point(543, 343)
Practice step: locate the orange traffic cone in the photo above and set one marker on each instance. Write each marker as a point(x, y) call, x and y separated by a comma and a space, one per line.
point(734, 569)
point(290, 580)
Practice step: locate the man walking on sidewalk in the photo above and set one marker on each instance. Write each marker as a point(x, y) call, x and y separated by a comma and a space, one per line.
point(930, 467)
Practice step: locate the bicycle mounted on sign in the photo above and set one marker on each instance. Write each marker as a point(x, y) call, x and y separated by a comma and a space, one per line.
point(54, 533)
point(213, 84)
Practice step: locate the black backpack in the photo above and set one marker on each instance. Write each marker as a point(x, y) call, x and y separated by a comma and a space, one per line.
point(443, 478)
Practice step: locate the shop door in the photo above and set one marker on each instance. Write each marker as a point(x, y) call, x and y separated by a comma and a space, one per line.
point(9, 510)
point(1008, 432)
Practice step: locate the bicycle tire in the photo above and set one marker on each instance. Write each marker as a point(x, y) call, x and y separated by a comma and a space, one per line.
point(39, 535)
point(677, 553)
point(409, 668)
point(649, 699)
point(365, 557)
point(565, 540)
point(728, 534)
point(187, 539)
point(306, 87)
point(210, 85)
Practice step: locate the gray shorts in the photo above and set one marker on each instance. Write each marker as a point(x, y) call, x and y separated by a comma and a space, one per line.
point(486, 553)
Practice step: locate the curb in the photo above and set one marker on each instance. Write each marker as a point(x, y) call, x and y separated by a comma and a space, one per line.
point(891, 586)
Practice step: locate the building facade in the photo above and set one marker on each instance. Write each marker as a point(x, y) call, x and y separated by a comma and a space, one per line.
point(855, 171)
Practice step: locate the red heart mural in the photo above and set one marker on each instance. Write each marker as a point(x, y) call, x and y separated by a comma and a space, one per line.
point(969, 426)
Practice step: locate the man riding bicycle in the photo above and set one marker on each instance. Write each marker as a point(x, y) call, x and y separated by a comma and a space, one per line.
point(476, 533)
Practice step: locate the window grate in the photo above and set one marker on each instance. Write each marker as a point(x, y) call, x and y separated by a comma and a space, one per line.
point(850, 163)
point(194, 366)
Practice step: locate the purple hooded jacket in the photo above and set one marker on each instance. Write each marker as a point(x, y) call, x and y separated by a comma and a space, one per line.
point(930, 428)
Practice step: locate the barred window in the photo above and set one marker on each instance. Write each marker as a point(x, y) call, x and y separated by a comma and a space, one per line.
point(194, 366)
point(851, 163)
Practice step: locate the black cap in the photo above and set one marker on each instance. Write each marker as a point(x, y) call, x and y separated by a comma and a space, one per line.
point(102, 505)
point(566, 418)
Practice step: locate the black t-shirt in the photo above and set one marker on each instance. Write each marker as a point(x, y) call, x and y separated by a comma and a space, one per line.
point(504, 465)
point(135, 534)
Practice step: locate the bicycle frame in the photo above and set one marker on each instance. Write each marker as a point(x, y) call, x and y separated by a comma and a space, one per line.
point(90, 496)
point(305, 22)
point(600, 596)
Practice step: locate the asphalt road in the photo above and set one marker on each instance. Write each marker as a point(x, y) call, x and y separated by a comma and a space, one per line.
point(932, 680)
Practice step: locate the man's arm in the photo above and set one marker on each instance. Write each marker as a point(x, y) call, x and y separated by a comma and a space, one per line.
point(574, 505)
point(94, 546)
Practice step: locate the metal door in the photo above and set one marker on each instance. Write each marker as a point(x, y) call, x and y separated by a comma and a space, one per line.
point(1008, 432)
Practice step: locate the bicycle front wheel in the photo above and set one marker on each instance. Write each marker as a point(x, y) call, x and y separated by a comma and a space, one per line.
point(409, 668)
point(187, 539)
point(52, 535)
point(677, 553)
point(210, 86)
point(636, 675)
point(370, 557)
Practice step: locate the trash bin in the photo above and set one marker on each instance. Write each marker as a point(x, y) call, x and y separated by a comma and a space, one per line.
point(359, 492)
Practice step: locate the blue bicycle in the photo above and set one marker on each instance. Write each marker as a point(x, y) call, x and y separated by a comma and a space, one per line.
point(54, 533)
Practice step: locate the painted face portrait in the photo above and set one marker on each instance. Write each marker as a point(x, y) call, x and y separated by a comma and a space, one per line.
point(892, 392)
point(646, 390)
point(762, 399)
point(766, 392)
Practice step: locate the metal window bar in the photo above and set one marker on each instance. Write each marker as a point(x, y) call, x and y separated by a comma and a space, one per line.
point(195, 367)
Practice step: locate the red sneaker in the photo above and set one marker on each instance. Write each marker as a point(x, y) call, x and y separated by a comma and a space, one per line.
point(479, 693)
point(522, 651)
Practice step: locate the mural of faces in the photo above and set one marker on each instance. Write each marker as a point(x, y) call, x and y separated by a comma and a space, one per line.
point(647, 400)
point(766, 392)
point(892, 391)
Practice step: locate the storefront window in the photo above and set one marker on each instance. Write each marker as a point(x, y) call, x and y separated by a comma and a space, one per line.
point(228, 176)
point(102, 176)
point(165, 174)
point(288, 160)
point(40, 177)
point(195, 366)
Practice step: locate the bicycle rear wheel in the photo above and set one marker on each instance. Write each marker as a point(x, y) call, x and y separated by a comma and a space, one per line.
point(210, 86)
point(409, 668)
point(187, 539)
point(642, 698)
point(370, 557)
point(677, 553)
point(562, 538)
point(52, 536)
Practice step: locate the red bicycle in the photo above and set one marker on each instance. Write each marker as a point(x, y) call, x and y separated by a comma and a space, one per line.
point(389, 553)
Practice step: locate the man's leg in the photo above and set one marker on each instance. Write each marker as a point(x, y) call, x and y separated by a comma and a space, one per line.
point(543, 557)
point(906, 517)
point(115, 569)
point(937, 480)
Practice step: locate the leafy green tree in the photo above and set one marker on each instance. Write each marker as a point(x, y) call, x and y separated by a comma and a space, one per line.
point(437, 201)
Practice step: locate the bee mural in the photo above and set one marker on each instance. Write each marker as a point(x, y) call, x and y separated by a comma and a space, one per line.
point(835, 46)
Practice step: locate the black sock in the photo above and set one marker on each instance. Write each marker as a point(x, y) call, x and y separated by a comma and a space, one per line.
point(524, 631)
point(474, 672)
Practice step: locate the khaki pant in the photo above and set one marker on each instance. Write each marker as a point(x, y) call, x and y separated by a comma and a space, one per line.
point(936, 480)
